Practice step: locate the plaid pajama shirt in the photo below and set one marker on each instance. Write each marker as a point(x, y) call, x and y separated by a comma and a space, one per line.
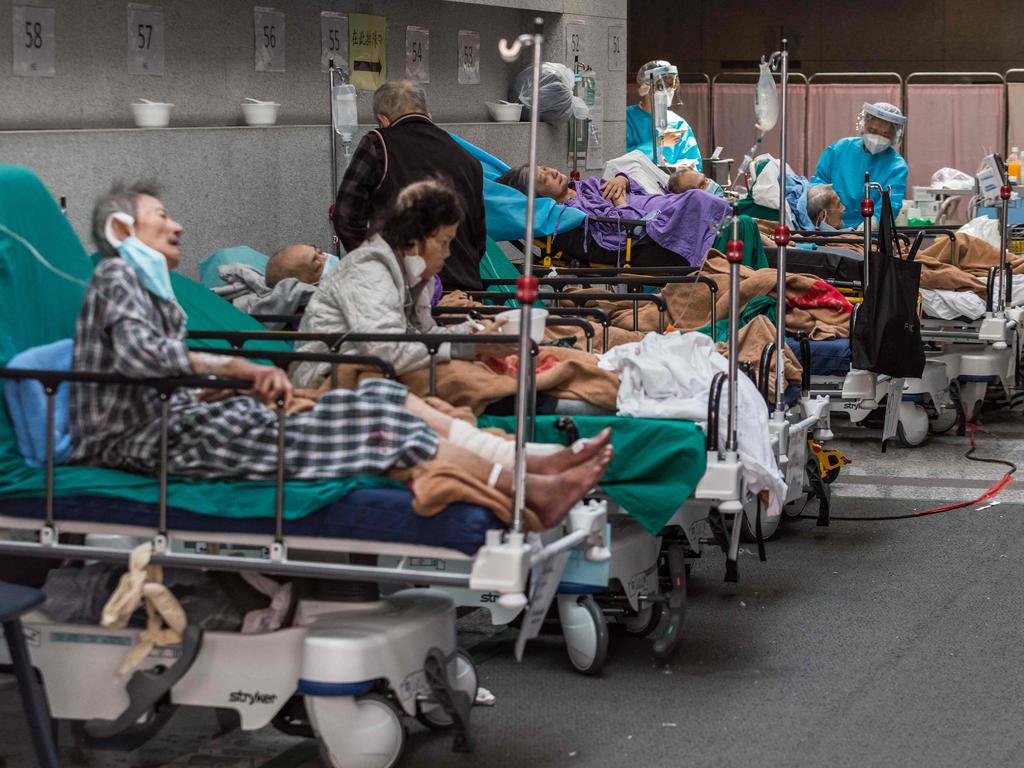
point(125, 329)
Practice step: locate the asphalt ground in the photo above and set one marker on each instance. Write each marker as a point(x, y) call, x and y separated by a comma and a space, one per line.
point(862, 644)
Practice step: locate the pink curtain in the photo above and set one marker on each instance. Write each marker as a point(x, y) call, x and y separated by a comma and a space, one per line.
point(734, 123)
point(1016, 97)
point(832, 112)
point(951, 125)
point(696, 110)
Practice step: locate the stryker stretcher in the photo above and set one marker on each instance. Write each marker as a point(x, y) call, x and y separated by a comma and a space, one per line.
point(348, 670)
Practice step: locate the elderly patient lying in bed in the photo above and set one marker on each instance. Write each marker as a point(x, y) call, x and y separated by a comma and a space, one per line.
point(685, 224)
point(131, 324)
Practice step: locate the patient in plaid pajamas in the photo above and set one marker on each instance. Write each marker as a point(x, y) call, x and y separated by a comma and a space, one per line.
point(126, 327)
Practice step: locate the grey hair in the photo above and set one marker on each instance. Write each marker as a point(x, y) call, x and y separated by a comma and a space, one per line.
point(818, 197)
point(122, 198)
point(399, 97)
point(517, 178)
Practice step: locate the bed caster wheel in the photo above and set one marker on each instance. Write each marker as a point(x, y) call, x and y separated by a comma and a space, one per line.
point(944, 421)
point(644, 621)
point(462, 677)
point(363, 732)
point(585, 632)
point(912, 428)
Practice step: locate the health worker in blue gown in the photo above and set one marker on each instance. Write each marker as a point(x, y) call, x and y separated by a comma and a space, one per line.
point(844, 163)
point(678, 144)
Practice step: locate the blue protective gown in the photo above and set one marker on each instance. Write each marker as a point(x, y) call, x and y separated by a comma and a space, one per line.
point(843, 165)
point(638, 136)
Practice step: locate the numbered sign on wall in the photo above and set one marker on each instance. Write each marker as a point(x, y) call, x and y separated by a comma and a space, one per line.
point(145, 40)
point(417, 54)
point(333, 40)
point(616, 47)
point(575, 50)
point(469, 57)
point(33, 41)
point(367, 47)
point(268, 36)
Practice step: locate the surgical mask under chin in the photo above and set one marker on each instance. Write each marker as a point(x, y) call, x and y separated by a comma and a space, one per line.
point(415, 266)
point(331, 263)
point(874, 143)
point(149, 264)
point(826, 227)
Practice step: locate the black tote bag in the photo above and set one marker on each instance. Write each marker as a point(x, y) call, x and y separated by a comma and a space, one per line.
point(886, 335)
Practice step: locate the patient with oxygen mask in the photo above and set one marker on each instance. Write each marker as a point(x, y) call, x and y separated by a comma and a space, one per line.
point(131, 324)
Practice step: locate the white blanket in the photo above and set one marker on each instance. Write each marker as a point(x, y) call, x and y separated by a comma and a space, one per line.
point(669, 377)
point(951, 305)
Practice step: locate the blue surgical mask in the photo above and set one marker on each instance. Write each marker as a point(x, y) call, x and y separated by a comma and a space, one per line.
point(331, 263)
point(714, 188)
point(826, 227)
point(150, 266)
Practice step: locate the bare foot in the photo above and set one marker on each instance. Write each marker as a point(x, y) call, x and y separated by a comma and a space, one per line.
point(552, 496)
point(557, 463)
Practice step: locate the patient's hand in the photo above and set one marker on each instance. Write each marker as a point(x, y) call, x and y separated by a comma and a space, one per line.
point(491, 326)
point(614, 190)
point(269, 384)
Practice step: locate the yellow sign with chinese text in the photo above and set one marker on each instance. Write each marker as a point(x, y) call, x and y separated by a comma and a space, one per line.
point(367, 51)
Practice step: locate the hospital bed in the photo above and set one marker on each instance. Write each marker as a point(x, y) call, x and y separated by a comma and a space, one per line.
point(348, 670)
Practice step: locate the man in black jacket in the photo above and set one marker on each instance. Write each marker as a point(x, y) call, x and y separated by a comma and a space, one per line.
point(408, 147)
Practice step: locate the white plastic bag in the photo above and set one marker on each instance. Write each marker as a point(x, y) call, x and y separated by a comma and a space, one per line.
point(983, 228)
point(951, 178)
point(555, 95)
point(766, 101)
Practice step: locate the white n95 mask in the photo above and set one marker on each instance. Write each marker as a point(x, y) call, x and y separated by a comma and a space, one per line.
point(415, 266)
point(874, 143)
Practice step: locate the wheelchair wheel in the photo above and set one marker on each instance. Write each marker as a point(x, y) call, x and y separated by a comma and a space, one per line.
point(465, 679)
point(585, 632)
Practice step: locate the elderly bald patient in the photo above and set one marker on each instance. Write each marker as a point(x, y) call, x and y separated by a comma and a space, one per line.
point(306, 263)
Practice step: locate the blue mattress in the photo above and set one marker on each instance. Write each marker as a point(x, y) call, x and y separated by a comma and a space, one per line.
point(828, 358)
point(370, 514)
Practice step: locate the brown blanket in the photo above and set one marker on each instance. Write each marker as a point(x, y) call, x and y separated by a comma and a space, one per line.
point(753, 338)
point(974, 258)
point(561, 372)
point(689, 306)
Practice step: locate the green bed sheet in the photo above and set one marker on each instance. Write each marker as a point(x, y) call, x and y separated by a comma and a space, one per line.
point(657, 464)
point(37, 307)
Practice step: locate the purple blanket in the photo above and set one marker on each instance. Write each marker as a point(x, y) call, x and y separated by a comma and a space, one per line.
point(686, 224)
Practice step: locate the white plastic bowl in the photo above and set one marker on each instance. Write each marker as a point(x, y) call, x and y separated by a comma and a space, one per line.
point(260, 113)
point(538, 317)
point(151, 114)
point(504, 112)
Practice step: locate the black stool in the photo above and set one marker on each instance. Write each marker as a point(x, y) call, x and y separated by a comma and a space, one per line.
point(15, 601)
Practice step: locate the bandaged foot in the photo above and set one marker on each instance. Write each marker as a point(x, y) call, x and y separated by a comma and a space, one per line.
point(542, 458)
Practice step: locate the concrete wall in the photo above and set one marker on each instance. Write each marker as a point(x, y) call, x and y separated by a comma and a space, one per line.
point(264, 187)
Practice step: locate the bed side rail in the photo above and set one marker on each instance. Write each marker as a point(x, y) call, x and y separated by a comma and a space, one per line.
point(502, 564)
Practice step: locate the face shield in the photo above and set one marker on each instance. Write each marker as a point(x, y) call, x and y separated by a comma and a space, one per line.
point(883, 120)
